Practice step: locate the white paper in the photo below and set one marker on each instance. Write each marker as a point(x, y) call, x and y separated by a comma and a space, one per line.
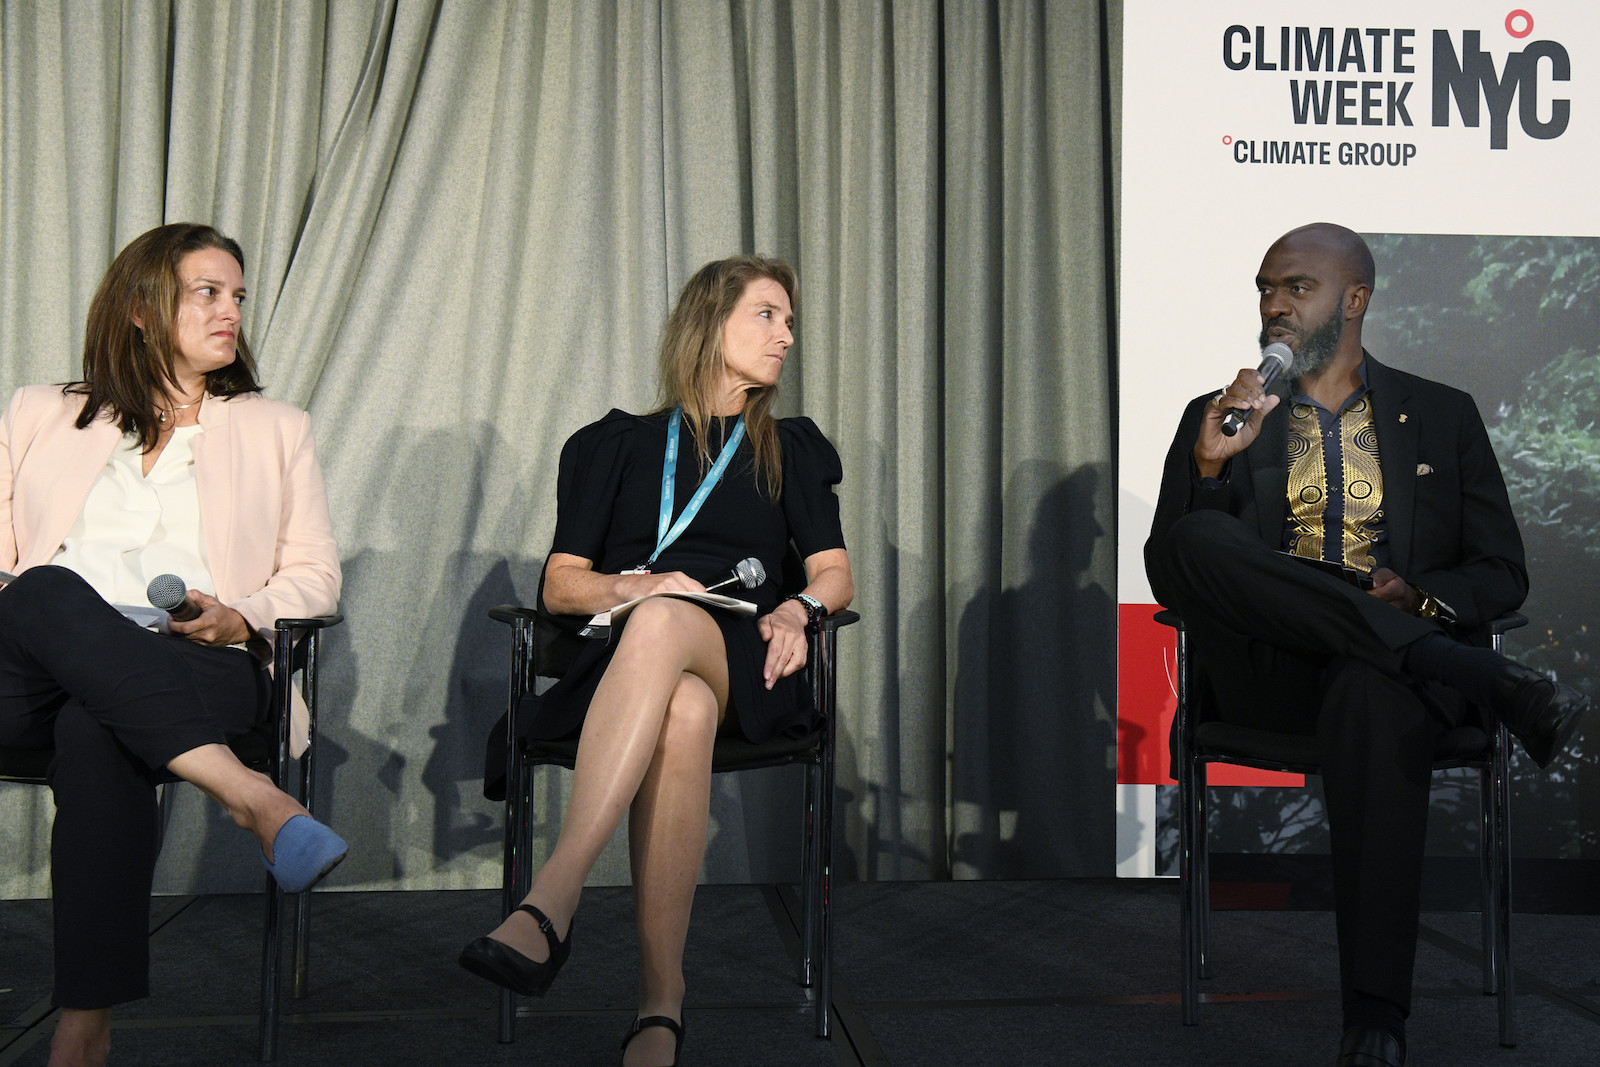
point(600, 625)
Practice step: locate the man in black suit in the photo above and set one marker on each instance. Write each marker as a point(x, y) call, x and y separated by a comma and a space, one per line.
point(1388, 482)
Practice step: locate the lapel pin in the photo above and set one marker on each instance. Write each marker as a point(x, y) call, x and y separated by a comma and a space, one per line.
point(1422, 468)
point(1402, 418)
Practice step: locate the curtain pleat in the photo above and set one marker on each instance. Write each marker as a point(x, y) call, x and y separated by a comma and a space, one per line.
point(464, 224)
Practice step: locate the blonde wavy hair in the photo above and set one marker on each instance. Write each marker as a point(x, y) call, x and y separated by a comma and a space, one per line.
point(692, 357)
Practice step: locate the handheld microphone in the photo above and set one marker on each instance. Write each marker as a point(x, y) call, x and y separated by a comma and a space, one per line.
point(1275, 359)
point(167, 592)
point(749, 573)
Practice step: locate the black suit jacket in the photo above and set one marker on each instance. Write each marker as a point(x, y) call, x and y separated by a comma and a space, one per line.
point(1449, 521)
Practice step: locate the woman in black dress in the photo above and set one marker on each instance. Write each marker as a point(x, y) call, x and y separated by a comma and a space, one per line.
point(648, 704)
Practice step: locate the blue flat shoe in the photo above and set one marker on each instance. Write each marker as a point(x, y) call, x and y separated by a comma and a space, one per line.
point(303, 852)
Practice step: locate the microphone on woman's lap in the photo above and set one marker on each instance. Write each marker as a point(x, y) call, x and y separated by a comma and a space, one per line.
point(169, 593)
point(748, 573)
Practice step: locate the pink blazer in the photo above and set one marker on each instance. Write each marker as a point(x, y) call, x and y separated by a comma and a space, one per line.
point(268, 535)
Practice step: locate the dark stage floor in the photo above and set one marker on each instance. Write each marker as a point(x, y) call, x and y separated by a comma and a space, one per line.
point(1062, 972)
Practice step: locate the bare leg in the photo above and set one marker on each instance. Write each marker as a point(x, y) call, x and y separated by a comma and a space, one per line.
point(666, 839)
point(250, 797)
point(664, 640)
point(82, 1038)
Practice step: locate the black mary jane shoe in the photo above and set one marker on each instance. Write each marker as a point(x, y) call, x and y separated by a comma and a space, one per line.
point(657, 1020)
point(506, 967)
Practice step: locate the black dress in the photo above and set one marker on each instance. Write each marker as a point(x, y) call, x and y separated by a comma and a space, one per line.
point(607, 507)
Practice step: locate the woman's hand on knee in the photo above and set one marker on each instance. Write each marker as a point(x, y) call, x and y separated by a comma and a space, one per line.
point(217, 625)
point(784, 631)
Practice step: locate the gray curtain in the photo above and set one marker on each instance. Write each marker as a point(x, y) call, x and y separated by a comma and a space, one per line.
point(464, 223)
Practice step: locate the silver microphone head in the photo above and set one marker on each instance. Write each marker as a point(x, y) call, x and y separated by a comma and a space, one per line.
point(166, 591)
point(1282, 353)
point(750, 571)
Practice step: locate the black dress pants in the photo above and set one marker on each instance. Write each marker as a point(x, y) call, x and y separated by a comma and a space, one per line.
point(1288, 648)
point(116, 702)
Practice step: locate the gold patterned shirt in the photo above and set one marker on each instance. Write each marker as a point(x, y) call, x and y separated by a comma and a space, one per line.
point(1335, 483)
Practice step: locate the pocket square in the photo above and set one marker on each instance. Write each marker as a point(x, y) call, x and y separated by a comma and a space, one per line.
point(1423, 468)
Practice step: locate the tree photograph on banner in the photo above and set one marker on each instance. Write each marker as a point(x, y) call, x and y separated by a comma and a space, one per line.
point(1515, 321)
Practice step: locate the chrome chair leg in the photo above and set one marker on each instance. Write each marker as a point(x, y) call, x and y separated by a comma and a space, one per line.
point(1502, 832)
point(270, 947)
point(300, 935)
point(1489, 884)
point(300, 929)
point(810, 896)
point(1188, 930)
point(513, 880)
point(823, 963)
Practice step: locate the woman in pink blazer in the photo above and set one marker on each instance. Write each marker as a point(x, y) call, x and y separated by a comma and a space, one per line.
point(163, 458)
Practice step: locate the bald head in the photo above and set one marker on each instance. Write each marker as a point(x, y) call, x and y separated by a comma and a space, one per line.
point(1346, 253)
point(1314, 285)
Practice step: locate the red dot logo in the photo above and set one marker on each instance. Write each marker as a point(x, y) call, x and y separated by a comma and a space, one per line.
point(1519, 23)
point(1227, 139)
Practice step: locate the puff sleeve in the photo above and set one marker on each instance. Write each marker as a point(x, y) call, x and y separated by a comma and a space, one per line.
point(593, 462)
point(811, 469)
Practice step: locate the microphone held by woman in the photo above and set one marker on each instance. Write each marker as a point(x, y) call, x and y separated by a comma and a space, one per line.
point(169, 593)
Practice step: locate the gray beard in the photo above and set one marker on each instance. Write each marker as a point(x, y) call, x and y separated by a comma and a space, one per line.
point(1317, 347)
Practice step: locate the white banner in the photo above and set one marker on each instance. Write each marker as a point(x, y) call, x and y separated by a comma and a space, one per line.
point(1242, 120)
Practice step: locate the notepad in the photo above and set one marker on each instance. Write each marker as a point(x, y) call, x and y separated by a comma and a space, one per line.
point(599, 627)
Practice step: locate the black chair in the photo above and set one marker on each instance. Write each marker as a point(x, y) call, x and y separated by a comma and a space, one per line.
point(264, 749)
point(1197, 742)
point(541, 647)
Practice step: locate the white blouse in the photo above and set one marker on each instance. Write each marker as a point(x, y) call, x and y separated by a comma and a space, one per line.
point(134, 526)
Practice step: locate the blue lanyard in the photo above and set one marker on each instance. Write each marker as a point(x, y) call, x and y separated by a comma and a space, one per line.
point(669, 474)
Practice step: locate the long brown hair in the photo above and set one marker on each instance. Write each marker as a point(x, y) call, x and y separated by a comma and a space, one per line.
point(692, 356)
point(125, 367)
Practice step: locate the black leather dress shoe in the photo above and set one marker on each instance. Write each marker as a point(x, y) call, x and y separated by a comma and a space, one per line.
point(1539, 712)
point(1369, 1046)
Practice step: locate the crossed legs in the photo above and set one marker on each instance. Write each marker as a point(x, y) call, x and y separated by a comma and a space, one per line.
point(116, 703)
point(1288, 649)
point(103, 853)
point(645, 749)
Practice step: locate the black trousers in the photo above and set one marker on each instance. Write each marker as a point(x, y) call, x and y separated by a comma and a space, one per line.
point(1288, 648)
point(116, 702)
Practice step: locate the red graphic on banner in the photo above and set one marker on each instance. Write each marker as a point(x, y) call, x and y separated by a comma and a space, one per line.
point(1147, 700)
